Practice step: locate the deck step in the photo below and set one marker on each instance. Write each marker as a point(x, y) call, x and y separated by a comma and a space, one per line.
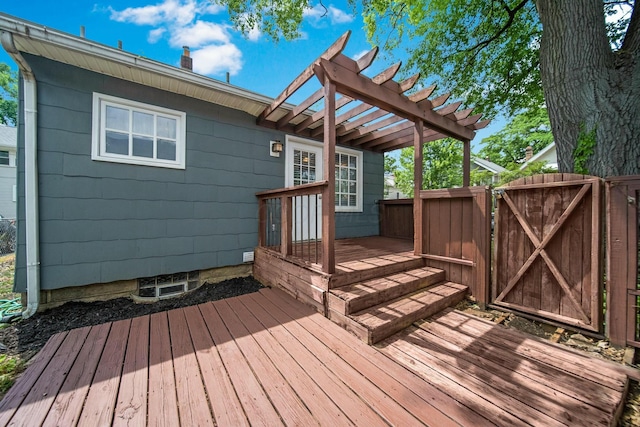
point(378, 322)
point(366, 269)
point(361, 295)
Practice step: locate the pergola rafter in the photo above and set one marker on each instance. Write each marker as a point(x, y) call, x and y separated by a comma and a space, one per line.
point(384, 116)
point(374, 114)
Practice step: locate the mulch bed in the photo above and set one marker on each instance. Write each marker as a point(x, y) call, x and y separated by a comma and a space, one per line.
point(26, 337)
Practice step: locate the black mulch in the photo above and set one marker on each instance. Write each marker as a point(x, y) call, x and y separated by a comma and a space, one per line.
point(27, 337)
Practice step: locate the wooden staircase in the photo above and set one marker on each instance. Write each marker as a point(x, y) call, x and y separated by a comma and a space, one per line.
point(377, 307)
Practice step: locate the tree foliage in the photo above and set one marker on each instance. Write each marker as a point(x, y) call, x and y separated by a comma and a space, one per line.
point(8, 95)
point(484, 51)
point(276, 19)
point(580, 58)
point(507, 147)
point(441, 164)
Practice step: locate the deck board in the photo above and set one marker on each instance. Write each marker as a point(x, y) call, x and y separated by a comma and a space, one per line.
point(266, 359)
point(101, 400)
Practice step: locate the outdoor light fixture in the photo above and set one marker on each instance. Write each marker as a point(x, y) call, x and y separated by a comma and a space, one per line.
point(276, 148)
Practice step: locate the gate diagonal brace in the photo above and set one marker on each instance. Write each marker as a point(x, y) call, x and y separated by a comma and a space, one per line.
point(540, 249)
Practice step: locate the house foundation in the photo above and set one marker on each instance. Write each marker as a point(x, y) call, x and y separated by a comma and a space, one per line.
point(127, 288)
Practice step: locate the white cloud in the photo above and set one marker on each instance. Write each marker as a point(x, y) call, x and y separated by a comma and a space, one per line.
point(212, 9)
point(155, 35)
point(169, 11)
point(339, 16)
point(199, 34)
point(210, 43)
point(318, 13)
point(254, 34)
point(217, 59)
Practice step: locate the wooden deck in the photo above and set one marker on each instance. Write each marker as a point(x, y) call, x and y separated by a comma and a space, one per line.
point(356, 260)
point(266, 359)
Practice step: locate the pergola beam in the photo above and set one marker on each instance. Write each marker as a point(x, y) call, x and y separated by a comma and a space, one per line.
point(350, 83)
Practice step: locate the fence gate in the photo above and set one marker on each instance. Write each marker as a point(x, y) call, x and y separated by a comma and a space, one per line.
point(548, 248)
point(623, 251)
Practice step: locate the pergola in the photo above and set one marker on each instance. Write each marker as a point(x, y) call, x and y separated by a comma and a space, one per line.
point(373, 114)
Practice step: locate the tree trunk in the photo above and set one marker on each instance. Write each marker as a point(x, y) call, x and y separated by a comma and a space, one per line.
point(589, 89)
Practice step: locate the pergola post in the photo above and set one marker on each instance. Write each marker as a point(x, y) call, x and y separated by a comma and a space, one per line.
point(418, 142)
point(328, 164)
point(466, 163)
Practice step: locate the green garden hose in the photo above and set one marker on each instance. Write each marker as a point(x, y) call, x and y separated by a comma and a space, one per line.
point(10, 308)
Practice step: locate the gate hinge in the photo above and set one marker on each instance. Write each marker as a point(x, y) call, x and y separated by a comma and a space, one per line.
point(631, 200)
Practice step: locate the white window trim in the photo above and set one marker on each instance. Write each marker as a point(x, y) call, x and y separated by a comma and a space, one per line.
point(297, 142)
point(98, 151)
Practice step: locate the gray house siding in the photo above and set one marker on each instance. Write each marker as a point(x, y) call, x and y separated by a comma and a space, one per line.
point(101, 222)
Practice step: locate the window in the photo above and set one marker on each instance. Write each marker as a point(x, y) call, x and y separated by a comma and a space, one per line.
point(304, 165)
point(4, 158)
point(131, 132)
point(348, 192)
point(168, 285)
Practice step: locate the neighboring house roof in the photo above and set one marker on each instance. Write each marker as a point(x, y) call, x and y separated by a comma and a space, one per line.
point(548, 154)
point(39, 40)
point(8, 136)
point(486, 164)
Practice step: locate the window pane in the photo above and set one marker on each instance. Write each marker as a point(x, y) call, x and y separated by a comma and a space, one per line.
point(337, 169)
point(143, 146)
point(166, 149)
point(312, 159)
point(344, 160)
point(344, 200)
point(142, 123)
point(352, 161)
point(167, 128)
point(344, 187)
point(352, 200)
point(117, 143)
point(4, 157)
point(312, 174)
point(296, 171)
point(352, 174)
point(344, 173)
point(117, 118)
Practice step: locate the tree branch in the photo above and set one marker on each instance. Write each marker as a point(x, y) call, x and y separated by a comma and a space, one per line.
point(631, 42)
point(512, 14)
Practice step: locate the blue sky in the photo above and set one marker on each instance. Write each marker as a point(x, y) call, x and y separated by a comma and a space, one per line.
point(158, 29)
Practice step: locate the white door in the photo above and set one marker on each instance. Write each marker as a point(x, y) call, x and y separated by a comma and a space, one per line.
point(304, 165)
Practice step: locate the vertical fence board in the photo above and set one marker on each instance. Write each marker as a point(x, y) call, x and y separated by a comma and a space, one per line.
point(455, 239)
point(468, 249)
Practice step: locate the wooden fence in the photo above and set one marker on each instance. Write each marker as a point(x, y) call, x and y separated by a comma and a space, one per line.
point(396, 218)
point(548, 248)
point(623, 250)
point(456, 235)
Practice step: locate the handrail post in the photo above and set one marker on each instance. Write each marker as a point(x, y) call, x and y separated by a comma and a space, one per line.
point(262, 222)
point(286, 225)
point(328, 193)
point(418, 139)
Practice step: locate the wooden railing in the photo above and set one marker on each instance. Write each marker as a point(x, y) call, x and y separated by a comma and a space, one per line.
point(290, 221)
point(396, 218)
point(454, 233)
